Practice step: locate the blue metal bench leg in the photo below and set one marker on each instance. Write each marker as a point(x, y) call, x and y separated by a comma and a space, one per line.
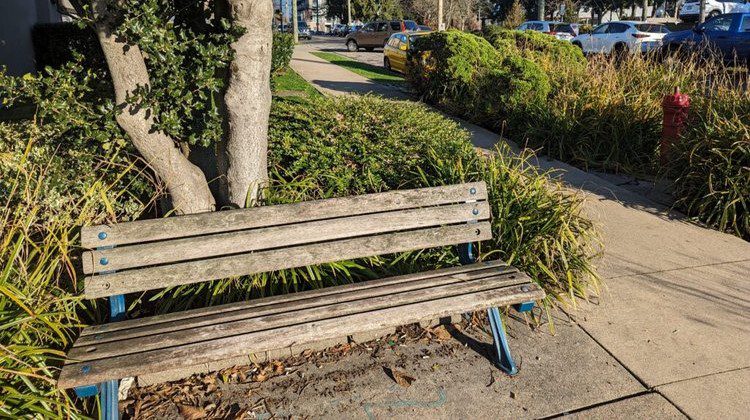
point(108, 401)
point(504, 359)
point(108, 398)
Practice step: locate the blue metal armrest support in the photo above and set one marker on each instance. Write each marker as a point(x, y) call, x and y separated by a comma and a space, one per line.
point(108, 398)
point(467, 255)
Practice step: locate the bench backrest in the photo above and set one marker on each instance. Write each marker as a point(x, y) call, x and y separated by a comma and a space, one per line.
point(157, 253)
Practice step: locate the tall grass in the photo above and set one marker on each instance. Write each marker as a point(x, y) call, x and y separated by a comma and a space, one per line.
point(40, 310)
point(609, 117)
point(606, 114)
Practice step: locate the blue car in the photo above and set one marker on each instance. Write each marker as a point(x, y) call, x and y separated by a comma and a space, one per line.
point(728, 34)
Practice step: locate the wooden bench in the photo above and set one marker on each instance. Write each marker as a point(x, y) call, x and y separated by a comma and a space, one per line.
point(153, 254)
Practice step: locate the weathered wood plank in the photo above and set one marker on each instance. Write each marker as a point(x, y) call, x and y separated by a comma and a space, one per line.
point(323, 308)
point(465, 271)
point(223, 221)
point(276, 237)
point(203, 352)
point(272, 260)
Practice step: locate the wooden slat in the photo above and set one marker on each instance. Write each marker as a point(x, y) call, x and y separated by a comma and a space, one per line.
point(203, 352)
point(272, 260)
point(223, 221)
point(289, 298)
point(199, 247)
point(180, 331)
point(268, 320)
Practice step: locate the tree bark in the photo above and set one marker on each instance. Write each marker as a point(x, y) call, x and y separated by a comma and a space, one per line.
point(248, 102)
point(186, 184)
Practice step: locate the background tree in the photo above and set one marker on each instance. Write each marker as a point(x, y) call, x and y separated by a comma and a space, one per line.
point(516, 16)
point(366, 9)
point(167, 111)
point(570, 14)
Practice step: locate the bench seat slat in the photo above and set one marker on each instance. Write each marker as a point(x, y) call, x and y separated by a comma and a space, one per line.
point(330, 323)
point(333, 292)
point(214, 222)
point(236, 242)
point(297, 256)
point(223, 325)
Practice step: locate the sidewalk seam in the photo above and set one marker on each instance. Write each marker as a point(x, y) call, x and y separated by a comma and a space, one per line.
point(619, 276)
point(701, 376)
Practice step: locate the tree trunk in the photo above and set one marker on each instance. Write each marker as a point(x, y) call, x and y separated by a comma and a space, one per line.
point(186, 184)
point(248, 102)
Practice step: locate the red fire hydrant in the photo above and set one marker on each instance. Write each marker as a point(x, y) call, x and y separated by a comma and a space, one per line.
point(676, 108)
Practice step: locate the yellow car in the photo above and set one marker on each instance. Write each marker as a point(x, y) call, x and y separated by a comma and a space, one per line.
point(394, 52)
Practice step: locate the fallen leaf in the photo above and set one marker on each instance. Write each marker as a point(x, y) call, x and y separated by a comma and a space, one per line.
point(261, 377)
point(401, 378)
point(441, 333)
point(191, 413)
point(278, 367)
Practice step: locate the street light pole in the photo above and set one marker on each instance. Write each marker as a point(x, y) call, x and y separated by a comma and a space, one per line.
point(441, 24)
point(317, 17)
point(349, 12)
point(702, 12)
point(540, 10)
point(294, 21)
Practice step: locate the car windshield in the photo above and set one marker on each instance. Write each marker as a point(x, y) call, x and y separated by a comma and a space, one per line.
point(558, 27)
point(651, 28)
point(410, 25)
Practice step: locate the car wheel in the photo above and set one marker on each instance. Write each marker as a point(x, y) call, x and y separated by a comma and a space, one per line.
point(352, 46)
point(386, 63)
point(578, 44)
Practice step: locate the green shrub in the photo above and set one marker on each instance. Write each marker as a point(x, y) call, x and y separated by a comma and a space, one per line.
point(536, 46)
point(363, 145)
point(606, 113)
point(464, 74)
point(712, 164)
point(281, 51)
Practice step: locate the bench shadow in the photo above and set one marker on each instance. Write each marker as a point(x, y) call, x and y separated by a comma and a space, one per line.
point(485, 350)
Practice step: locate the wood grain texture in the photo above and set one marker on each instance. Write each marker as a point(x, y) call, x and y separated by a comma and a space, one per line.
point(465, 271)
point(204, 352)
point(223, 221)
point(233, 323)
point(277, 237)
point(272, 260)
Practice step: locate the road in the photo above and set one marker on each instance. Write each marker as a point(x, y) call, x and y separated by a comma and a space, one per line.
point(336, 44)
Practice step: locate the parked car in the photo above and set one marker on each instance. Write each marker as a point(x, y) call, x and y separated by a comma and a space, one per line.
point(338, 29)
point(397, 48)
point(303, 31)
point(728, 35)
point(352, 28)
point(621, 37)
point(423, 28)
point(560, 30)
point(691, 9)
point(376, 34)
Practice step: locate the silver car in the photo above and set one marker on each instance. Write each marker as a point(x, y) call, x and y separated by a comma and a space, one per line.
point(560, 30)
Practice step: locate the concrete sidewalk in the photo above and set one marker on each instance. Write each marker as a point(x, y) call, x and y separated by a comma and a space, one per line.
point(673, 323)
